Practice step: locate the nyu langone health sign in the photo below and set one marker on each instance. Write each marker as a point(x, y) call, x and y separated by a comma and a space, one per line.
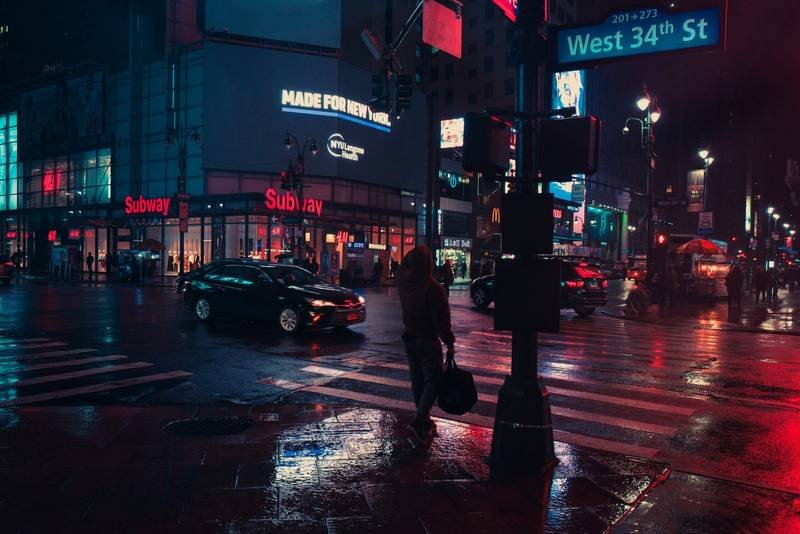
point(639, 32)
point(330, 105)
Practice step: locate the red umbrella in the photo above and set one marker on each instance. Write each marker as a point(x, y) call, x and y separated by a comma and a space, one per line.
point(699, 246)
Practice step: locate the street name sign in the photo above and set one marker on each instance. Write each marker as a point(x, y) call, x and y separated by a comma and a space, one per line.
point(671, 202)
point(705, 223)
point(639, 32)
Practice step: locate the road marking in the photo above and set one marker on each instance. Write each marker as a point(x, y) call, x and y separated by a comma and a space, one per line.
point(4, 340)
point(23, 346)
point(75, 374)
point(50, 354)
point(96, 388)
point(68, 363)
point(478, 420)
point(492, 399)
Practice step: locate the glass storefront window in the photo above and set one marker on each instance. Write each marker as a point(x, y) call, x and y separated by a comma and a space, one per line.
point(83, 178)
point(235, 237)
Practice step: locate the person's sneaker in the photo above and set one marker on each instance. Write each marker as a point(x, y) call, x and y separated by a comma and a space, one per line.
point(416, 435)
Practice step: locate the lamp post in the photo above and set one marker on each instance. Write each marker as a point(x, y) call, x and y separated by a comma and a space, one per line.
point(775, 217)
point(634, 248)
point(294, 175)
point(182, 136)
point(648, 104)
point(708, 159)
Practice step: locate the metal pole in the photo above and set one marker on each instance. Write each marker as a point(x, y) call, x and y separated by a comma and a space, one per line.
point(522, 442)
point(649, 192)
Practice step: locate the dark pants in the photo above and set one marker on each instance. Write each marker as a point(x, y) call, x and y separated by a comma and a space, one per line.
point(425, 366)
point(735, 297)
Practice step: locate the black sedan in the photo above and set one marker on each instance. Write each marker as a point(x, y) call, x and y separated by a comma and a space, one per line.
point(289, 296)
point(582, 289)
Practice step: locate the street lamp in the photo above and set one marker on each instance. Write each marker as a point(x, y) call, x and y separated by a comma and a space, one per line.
point(786, 225)
point(649, 104)
point(708, 159)
point(295, 173)
point(770, 210)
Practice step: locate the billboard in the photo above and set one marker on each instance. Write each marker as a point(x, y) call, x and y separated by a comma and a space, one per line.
point(452, 133)
point(569, 89)
point(254, 96)
point(695, 190)
point(54, 118)
point(311, 22)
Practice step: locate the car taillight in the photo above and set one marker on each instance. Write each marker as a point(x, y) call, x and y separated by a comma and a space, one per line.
point(575, 284)
point(604, 284)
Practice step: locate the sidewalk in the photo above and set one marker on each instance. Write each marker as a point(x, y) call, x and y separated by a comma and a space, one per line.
point(295, 469)
point(779, 317)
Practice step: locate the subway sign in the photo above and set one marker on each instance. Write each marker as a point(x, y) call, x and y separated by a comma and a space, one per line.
point(639, 32)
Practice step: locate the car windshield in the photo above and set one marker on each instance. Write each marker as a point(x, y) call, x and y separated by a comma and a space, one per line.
point(291, 276)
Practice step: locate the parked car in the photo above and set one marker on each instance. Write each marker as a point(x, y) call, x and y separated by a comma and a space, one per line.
point(184, 278)
point(6, 271)
point(286, 295)
point(582, 289)
point(637, 273)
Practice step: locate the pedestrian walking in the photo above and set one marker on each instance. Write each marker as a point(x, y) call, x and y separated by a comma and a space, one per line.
point(90, 265)
point(426, 317)
point(761, 284)
point(672, 283)
point(447, 275)
point(394, 265)
point(377, 273)
point(733, 283)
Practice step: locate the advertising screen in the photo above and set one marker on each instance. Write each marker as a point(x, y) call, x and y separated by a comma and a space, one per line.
point(312, 22)
point(57, 116)
point(569, 89)
point(452, 133)
point(255, 96)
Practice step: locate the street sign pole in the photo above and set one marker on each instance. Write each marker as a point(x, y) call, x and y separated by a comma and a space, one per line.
point(522, 442)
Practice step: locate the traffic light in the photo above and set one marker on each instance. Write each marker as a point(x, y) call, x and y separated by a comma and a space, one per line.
point(662, 239)
point(403, 90)
point(380, 92)
point(286, 181)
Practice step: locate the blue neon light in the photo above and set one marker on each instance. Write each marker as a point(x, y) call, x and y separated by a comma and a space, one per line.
point(339, 115)
point(640, 32)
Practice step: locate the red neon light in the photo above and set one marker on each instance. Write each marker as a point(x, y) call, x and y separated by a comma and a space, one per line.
point(342, 236)
point(88, 234)
point(289, 202)
point(49, 182)
point(261, 231)
point(74, 233)
point(277, 230)
point(408, 240)
point(12, 234)
point(556, 214)
point(509, 8)
point(51, 235)
point(158, 206)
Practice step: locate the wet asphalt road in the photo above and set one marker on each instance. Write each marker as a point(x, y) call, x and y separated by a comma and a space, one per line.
point(710, 402)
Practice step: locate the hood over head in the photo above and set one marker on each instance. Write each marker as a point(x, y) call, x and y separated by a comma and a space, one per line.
point(418, 263)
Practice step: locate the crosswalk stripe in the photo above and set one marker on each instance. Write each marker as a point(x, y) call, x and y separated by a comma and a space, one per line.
point(5, 340)
point(565, 392)
point(96, 388)
point(492, 399)
point(75, 374)
point(24, 346)
point(50, 354)
point(68, 363)
point(475, 419)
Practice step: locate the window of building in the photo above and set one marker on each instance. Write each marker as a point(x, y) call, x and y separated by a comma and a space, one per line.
point(434, 73)
point(473, 22)
point(80, 179)
point(472, 48)
point(472, 99)
point(448, 71)
point(509, 34)
point(489, 37)
point(448, 95)
point(488, 89)
point(9, 181)
point(509, 86)
point(472, 74)
point(568, 19)
point(490, 9)
point(509, 60)
point(488, 64)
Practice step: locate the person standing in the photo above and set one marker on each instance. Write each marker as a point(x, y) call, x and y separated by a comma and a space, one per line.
point(377, 273)
point(426, 317)
point(447, 275)
point(313, 266)
point(90, 265)
point(733, 283)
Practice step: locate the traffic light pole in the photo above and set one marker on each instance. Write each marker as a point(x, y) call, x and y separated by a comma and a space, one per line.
point(522, 441)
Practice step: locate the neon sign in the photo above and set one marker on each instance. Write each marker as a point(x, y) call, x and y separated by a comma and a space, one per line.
point(342, 236)
point(290, 203)
point(74, 233)
point(509, 8)
point(52, 235)
point(338, 148)
point(329, 105)
point(11, 234)
point(153, 206)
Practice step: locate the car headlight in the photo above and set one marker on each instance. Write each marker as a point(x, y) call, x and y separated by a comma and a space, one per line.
point(319, 303)
point(361, 299)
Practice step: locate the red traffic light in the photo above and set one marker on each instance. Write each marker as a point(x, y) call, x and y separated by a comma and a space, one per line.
point(662, 239)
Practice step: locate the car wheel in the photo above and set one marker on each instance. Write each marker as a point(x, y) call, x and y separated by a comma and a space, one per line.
point(480, 298)
point(584, 312)
point(202, 309)
point(289, 320)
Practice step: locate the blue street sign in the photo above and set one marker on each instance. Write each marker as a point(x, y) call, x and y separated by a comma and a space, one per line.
point(636, 33)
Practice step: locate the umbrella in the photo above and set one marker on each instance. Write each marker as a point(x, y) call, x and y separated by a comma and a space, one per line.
point(699, 246)
point(151, 244)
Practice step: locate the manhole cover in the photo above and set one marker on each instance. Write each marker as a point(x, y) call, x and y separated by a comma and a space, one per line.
point(209, 426)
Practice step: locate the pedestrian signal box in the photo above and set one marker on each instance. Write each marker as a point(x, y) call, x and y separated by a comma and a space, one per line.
point(662, 239)
point(487, 141)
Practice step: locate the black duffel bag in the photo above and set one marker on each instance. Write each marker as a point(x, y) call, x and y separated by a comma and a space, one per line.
point(457, 392)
